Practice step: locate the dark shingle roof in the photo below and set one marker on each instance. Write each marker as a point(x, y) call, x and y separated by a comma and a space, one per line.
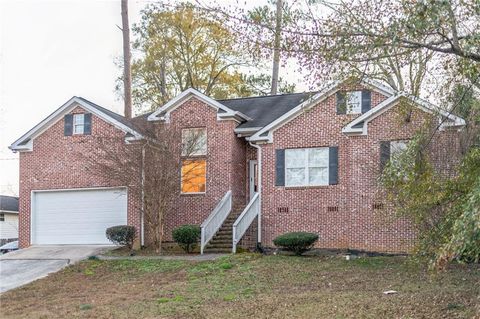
point(112, 114)
point(265, 109)
point(261, 109)
point(8, 203)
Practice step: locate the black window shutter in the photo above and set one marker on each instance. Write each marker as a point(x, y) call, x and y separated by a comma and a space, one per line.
point(68, 125)
point(366, 101)
point(333, 165)
point(279, 167)
point(87, 123)
point(341, 103)
point(384, 154)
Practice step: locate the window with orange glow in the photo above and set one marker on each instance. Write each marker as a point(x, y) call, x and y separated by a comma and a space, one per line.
point(194, 176)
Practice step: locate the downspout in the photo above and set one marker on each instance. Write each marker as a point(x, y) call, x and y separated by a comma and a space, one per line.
point(259, 161)
point(142, 213)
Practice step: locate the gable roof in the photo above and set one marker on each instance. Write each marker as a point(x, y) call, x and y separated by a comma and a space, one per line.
point(8, 204)
point(360, 124)
point(24, 143)
point(265, 134)
point(356, 126)
point(111, 114)
point(258, 117)
point(224, 112)
point(252, 113)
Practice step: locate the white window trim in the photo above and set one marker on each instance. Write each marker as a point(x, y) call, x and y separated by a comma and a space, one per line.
point(76, 123)
point(203, 153)
point(181, 177)
point(307, 167)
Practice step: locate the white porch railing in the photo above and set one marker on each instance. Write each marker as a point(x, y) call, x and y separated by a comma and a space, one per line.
point(213, 222)
point(245, 220)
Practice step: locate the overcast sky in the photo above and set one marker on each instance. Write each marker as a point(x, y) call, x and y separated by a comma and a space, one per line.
point(50, 51)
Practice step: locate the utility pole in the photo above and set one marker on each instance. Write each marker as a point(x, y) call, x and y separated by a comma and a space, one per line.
point(127, 73)
point(276, 46)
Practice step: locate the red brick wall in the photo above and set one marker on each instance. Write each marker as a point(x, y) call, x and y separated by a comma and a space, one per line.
point(54, 164)
point(355, 225)
point(225, 165)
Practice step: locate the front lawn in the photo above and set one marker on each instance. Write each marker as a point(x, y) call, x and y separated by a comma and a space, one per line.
point(249, 286)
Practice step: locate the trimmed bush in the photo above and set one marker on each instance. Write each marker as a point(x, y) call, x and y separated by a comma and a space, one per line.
point(187, 236)
point(123, 235)
point(297, 242)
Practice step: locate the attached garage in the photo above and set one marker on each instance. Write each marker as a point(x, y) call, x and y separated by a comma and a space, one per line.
point(76, 217)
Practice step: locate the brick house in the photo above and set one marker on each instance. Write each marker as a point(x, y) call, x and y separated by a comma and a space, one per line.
point(267, 165)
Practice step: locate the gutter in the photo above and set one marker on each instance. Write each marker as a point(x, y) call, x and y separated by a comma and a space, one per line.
point(246, 132)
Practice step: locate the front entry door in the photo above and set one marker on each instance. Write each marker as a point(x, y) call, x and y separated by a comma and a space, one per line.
point(253, 178)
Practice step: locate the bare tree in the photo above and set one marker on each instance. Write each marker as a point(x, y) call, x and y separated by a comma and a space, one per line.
point(127, 76)
point(155, 168)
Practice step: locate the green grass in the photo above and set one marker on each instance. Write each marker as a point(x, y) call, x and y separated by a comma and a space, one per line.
point(145, 266)
point(85, 307)
point(249, 285)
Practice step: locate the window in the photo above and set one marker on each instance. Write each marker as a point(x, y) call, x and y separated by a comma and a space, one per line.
point(78, 123)
point(306, 167)
point(397, 148)
point(2, 217)
point(194, 175)
point(390, 151)
point(194, 142)
point(194, 167)
point(354, 102)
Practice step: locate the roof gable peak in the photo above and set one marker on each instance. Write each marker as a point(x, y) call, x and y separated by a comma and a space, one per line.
point(162, 113)
point(25, 142)
point(265, 134)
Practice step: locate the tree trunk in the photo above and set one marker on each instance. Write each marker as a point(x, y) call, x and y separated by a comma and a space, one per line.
point(276, 47)
point(163, 79)
point(127, 75)
point(158, 243)
point(159, 230)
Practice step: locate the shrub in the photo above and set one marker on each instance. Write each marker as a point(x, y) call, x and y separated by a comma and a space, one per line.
point(121, 235)
point(298, 242)
point(187, 236)
point(226, 266)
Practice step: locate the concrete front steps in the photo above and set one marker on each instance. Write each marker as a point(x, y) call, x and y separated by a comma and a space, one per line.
point(222, 241)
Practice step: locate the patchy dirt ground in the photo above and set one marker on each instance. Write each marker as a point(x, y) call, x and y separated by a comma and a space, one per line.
point(167, 250)
point(247, 285)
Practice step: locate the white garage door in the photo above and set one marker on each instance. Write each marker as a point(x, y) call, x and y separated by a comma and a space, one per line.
point(77, 216)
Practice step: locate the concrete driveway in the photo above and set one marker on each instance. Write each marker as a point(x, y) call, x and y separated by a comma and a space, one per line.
point(23, 266)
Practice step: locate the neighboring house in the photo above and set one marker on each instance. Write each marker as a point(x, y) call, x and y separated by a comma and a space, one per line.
point(293, 162)
point(8, 219)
